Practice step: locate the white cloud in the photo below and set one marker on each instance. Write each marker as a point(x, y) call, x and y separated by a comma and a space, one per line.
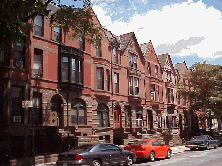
point(171, 25)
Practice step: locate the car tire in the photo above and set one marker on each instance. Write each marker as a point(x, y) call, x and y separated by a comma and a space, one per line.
point(216, 146)
point(152, 156)
point(168, 154)
point(96, 163)
point(129, 161)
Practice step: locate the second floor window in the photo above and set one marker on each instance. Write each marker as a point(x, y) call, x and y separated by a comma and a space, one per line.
point(136, 82)
point(19, 55)
point(99, 72)
point(57, 34)
point(131, 85)
point(98, 48)
point(116, 82)
point(39, 25)
point(184, 100)
point(37, 63)
point(107, 80)
point(71, 70)
point(81, 42)
point(152, 93)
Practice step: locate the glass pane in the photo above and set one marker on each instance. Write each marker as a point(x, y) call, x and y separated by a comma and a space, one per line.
point(38, 20)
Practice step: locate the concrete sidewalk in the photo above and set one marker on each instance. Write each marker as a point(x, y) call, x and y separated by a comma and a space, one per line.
point(179, 149)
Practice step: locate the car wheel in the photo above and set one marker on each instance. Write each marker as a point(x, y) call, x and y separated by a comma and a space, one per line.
point(96, 163)
point(152, 156)
point(216, 146)
point(168, 154)
point(129, 161)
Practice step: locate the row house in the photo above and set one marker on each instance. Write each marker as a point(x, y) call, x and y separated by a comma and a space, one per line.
point(115, 91)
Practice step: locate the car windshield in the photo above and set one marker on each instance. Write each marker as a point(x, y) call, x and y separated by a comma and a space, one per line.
point(197, 137)
point(85, 148)
point(141, 142)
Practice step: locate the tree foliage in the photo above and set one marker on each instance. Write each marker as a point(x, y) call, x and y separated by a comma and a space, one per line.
point(15, 19)
point(205, 92)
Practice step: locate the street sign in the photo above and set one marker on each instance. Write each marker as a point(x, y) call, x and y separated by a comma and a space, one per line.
point(27, 103)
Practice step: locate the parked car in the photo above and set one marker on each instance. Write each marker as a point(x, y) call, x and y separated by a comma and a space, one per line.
point(202, 142)
point(96, 155)
point(149, 149)
point(219, 139)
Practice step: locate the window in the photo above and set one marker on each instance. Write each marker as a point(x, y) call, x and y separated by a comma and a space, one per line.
point(39, 25)
point(156, 71)
point(37, 63)
point(152, 93)
point(168, 76)
point(172, 96)
point(2, 55)
point(132, 61)
point(115, 55)
point(156, 144)
point(103, 115)
point(107, 80)
point(16, 109)
point(71, 70)
point(81, 42)
point(136, 82)
point(131, 85)
point(116, 82)
point(128, 116)
point(19, 54)
point(2, 120)
point(64, 69)
point(71, 75)
point(148, 69)
point(184, 100)
point(174, 123)
point(150, 119)
point(100, 78)
point(139, 116)
point(37, 108)
point(98, 48)
point(159, 120)
point(78, 112)
point(57, 33)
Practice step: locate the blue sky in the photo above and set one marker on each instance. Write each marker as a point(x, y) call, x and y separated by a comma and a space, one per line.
point(189, 30)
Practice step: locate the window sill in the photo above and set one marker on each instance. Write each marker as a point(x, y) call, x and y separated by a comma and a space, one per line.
point(45, 39)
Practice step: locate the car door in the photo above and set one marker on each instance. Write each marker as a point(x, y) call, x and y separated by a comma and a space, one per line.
point(103, 153)
point(157, 148)
point(115, 153)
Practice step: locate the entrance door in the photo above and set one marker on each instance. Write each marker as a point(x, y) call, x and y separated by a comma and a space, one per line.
point(57, 111)
point(117, 119)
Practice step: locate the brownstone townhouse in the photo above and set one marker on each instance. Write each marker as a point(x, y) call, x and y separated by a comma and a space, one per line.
point(81, 93)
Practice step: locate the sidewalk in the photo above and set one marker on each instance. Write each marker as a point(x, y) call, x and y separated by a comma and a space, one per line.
point(178, 149)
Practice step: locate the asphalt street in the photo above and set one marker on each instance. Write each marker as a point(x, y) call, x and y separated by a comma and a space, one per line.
point(211, 157)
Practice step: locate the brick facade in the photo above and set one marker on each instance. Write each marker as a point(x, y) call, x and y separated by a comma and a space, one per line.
point(127, 92)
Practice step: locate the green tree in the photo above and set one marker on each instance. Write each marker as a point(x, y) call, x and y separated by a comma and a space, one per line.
point(16, 16)
point(205, 93)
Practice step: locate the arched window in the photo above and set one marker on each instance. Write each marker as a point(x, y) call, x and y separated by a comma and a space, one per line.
point(103, 115)
point(78, 112)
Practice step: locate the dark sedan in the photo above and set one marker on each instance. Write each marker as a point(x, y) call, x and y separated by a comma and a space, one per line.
point(96, 155)
point(202, 142)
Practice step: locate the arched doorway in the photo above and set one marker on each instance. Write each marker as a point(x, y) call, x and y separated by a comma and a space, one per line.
point(117, 117)
point(57, 116)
